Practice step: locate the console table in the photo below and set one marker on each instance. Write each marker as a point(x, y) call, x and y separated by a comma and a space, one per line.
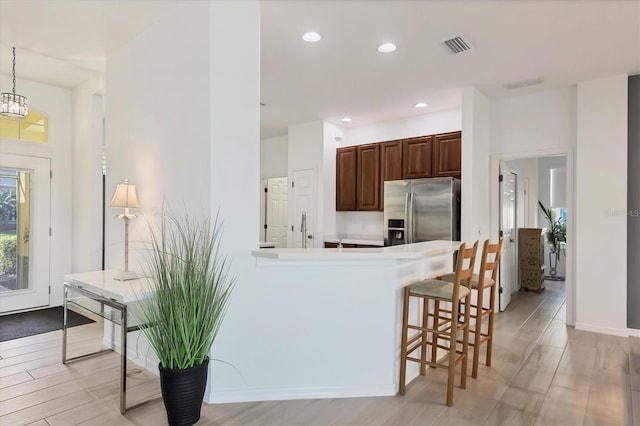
point(100, 293)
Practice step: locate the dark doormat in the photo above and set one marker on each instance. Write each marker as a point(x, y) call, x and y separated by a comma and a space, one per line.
point(26, 324)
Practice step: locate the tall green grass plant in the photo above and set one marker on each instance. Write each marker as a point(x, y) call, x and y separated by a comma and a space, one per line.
point(191, 286)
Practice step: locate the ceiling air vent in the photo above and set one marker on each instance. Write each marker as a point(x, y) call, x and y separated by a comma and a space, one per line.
point(457, 45)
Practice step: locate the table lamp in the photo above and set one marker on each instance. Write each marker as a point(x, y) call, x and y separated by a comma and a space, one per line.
point(125, 197)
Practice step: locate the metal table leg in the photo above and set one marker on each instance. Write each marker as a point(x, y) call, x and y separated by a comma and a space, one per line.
point(123, 360)
point(64, 326)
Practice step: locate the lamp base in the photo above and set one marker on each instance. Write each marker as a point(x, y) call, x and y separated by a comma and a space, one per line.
point(125, 276)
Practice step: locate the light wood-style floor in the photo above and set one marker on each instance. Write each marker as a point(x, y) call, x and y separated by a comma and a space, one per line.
point(543, 373)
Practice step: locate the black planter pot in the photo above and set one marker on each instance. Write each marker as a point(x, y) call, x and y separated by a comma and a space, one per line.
point(182, 393)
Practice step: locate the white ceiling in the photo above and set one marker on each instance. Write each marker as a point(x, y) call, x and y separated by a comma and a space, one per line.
point(64, 42)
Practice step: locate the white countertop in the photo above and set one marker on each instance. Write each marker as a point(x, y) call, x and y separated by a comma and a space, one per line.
point(405, 251)
point(369, 240)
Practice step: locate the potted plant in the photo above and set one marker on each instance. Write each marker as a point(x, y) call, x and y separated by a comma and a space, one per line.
point(556, 234)
point(190, 288)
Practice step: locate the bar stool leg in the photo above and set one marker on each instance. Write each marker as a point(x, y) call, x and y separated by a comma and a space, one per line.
point(465, 342)
point(434, 333)
point(477, 333)
point(423, 338)
point(452, 353)
point(492, 304)
point(403, 345)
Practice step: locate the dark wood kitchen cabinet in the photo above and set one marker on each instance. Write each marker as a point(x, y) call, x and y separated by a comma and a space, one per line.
point(447, 155)
point(368, 177)
point(346, 178)
point(362, 170)
point(417, 157)
point(390, 164)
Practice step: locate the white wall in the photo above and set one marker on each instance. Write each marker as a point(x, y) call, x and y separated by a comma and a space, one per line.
point(273, 157)
point(88, 119)
point(476, 142)
point(534, 123)
point(369, 224)
point(56, 103)
point(332, 137)
point(306, 151)
point(205, 157)
point(601, 203)
point(419, 125)
point(163, 150)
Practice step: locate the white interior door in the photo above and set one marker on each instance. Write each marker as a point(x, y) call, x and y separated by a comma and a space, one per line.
point(276, 211)
point(303, 189)
point(508, 270)
point(24, 229)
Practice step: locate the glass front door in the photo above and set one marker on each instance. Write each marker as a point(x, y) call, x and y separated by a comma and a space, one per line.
point(14, 229)
point(24, 232)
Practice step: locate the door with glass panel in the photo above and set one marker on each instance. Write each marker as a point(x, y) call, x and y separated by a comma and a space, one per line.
point(24, 232)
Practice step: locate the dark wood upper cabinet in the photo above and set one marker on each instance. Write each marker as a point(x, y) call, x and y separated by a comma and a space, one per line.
point(417, 157)
point(391, 160)
point(362, 170)
point(390, 164)
point(346, 178)
point(368, 177)
point(447, 155)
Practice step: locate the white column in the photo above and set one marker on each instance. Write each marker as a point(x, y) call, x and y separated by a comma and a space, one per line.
point(601, 203)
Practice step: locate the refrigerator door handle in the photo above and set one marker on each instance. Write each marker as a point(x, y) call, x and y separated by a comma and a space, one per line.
point(407, 222)
point(411, 226)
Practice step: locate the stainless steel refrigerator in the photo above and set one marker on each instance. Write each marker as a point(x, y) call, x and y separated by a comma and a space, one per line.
point(418, 210)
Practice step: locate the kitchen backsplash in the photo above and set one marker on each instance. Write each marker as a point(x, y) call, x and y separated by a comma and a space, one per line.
point(359, 223)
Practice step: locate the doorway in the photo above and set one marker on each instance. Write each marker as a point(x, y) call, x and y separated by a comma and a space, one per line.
point(541, 177)
point(273, 211)
point(24, 232)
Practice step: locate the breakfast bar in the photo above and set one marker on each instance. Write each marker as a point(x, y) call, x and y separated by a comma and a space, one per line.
point(334, 317)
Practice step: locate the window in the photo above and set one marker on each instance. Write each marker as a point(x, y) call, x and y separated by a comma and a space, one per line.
point(33, 128)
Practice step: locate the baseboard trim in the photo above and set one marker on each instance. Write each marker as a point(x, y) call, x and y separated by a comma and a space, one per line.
point(299, 393)
point(634, 332)
point(602, 330)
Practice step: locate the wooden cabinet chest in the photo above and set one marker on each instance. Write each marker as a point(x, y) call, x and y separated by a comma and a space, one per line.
point(531, 259)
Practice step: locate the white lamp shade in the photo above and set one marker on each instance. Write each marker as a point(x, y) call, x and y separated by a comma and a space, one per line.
point(125, 196)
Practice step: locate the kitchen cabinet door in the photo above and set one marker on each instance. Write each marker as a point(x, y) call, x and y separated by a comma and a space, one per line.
point(390, 164)
point(368, 177)
point(391, 160)
point(417, 154)
point(346, 178)
point(447, 155)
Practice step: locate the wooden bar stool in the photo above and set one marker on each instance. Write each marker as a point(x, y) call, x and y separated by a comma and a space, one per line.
point(479, 283)
point(440, 327)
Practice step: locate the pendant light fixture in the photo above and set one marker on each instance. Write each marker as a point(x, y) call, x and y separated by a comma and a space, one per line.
point(13, 105)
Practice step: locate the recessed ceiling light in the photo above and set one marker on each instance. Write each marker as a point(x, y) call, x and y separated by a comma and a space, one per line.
point(386, 47)
point(311, 37)
point(421, 105)
point(346, 119)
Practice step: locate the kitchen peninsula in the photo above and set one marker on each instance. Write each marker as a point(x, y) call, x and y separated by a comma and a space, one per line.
point(335, 316)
